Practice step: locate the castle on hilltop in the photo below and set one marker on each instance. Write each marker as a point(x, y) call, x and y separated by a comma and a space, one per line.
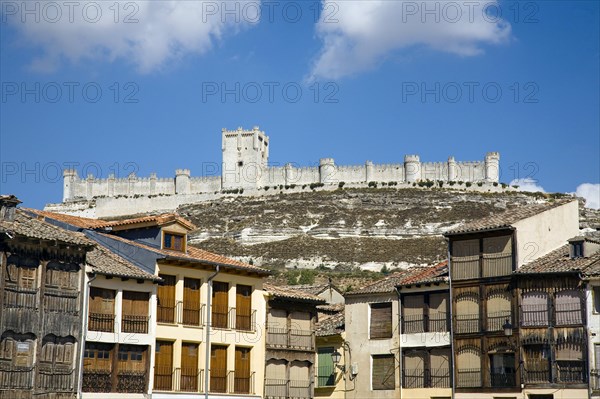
point(245, 166)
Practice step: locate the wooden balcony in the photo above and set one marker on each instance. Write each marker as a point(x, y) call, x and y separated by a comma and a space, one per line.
point(287, 389)
point(436, 322)
point(466, 324)
point(135, 324)
point(101, 322)
point(495, 321)
point(468, 378)
point(20, 298)
point(16, 377)
point(484, 265)
point(282, 338)
point(426, 378)
point(62, 301)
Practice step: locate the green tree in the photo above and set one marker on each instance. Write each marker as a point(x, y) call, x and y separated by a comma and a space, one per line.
point(306, 277)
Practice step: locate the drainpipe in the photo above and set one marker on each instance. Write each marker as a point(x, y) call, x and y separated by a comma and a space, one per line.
point(86, 305)
point(208, 321)
point(451, 298)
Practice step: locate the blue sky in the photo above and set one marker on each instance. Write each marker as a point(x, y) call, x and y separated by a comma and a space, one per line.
point(378, 80)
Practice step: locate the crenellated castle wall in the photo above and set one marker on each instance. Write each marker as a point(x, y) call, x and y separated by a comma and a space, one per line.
point(245, 166)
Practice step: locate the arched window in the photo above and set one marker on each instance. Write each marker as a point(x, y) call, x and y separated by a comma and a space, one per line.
point(467, 312)
point(534, 309)
point(468, 367)
point(498, 309)
point(17, 349)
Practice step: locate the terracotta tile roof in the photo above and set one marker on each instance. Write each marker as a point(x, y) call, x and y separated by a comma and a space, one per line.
point(195, 255)
point(77, 221)
point(430, 274)
point(331, 308)
point(560, 261)
point(387, 284)
point(507, 218)
point(105, 262)
point(88, 223)
point(291, 293)
point(333, 325)
point(28, 226)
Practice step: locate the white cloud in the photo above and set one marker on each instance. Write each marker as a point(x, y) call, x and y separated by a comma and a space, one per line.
point(591, 193)
point(357, 35)
point(165, 31)
point(528, 184)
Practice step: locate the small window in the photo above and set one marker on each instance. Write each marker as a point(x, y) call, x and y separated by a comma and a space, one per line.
point(596, 293)
point(173, 241)
point(381, 320)
point(383, 375)
point(241, 163)
point(578, 249)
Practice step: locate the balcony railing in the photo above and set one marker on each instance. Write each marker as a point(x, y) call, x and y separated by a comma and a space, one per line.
point(495, 321)
point(535, 316)
point(468, 378)
point(503, 378)
point(466, 323)
point(21, 298)
point(277, 389)
point(223, 381)
point(481, 265)
point(15, 377)
point(420, 323)
point(163, 378)
point(595, 380)
point(191, 315)
point(101, 322)
point(326, 376)
point(245, 319)
point(536, 372)
point(569, 314)
point(300, 389)
point(426, 378)
point(571, 372)
point(243, 383)
point(131, 381)
point(290, 339)
point(135, 324)
point(165, 311)
point(55, 378)
point(97, 381)
point(63, 301)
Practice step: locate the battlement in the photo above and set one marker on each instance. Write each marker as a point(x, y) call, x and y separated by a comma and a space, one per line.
point(245, 166)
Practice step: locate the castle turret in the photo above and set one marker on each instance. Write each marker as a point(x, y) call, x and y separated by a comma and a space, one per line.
point(452, 175)
point(69, 177)
point(183, 184)
point(412, 168)
point(492, 167)
point(245, 156)
point(290, 178)
point(368, 171)
point(327, 171)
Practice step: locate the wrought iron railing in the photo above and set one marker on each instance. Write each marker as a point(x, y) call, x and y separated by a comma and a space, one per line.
point(503, 378)
point(466, 323)
point(495, 321)
point(420, 323)
point(571, 371)
point(300, 389)
point(276, 388)
point(468, 378)
point(537, 372)
point(135, 324)
point(63, 301)
point(97, 381)
point(243, 383)
point(163, 378)
point(101, 322)
point(290, 339)
point(326, 376)
point(568, 314)
point(218, 380)
point(21, 298)
point(220, 316)
point(16, 377)
point(426, 378)
point(165, 311)
point(535, 315)
point(192, 314)
point(131, 381)
point(245, 319)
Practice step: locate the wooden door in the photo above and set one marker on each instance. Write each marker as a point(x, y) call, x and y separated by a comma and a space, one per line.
point(218, 368)
point(163, 367)
point(191, 301)
point(166, 299)
point(242, 370)
point(243, 307)
point(220, 304)
point(189, 367)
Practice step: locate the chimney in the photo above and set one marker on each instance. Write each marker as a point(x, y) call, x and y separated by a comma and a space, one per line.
point(8, 206)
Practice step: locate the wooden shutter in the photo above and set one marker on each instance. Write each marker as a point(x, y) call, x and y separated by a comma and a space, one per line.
point(300, 321)
point(276, 370)
point(166, 299)
point(220, 304)
point(413, 313)
point(135, 303)
point(243, 307)
point(325, 367)
point(242, 370)
point(189, 366)
point(218, 368)
point(381, 320)
point(414, 369)
point(568, 308)
point(438, 312)
point(163, 367)
point(102, 301)
point(534, 309)
point(277, 318)
point(497, 245)
point(191, 301)
point(132, 358)
point(439, 365)
point(383, 375)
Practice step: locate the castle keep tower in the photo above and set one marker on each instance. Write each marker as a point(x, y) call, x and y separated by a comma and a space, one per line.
point(245, 157)
point(492, 166)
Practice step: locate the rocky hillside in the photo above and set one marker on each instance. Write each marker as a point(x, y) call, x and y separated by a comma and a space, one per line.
point(347, 228)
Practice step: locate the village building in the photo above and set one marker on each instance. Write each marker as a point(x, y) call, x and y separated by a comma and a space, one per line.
point(41, 306)
point(290, 343)
point(334, 376)
point(486, 330)
point(328, 291)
